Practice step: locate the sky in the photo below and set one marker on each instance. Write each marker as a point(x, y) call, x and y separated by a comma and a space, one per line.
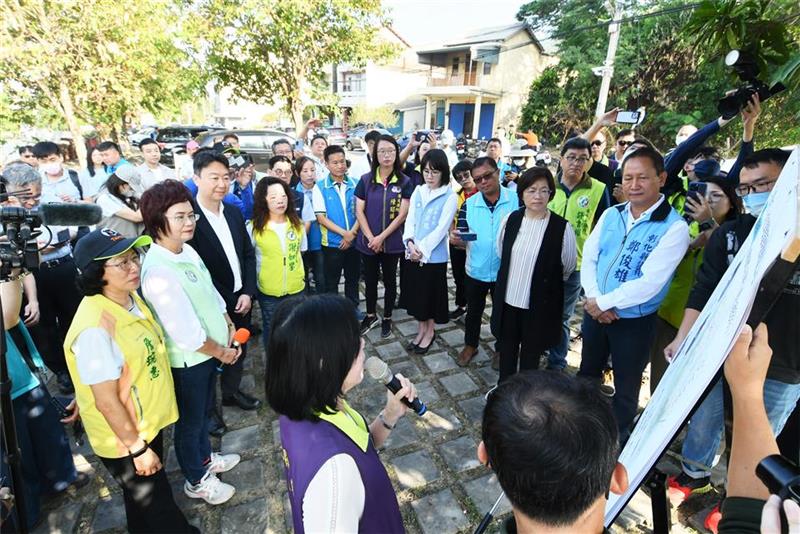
point(422, 22)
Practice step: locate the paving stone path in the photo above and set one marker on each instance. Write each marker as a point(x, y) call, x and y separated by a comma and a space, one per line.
point(441, 486)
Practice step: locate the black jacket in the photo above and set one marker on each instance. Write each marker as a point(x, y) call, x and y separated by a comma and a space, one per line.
point(782, 321)
point(208, 246)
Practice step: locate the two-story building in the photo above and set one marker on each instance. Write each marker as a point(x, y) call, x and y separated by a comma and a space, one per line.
point(481, 81)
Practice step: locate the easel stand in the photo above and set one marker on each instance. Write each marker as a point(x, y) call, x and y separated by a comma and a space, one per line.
point(662, 518)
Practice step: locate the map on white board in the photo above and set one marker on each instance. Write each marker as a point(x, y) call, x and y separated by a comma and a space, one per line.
point(704, 350)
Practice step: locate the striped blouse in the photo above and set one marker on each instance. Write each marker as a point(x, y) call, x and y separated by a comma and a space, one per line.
point(523, 257)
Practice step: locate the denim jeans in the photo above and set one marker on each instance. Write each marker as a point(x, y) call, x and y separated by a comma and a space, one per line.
point(557, 356)
point(313, 262)
point(268, 304)
point(705, 429)
point(194, 388)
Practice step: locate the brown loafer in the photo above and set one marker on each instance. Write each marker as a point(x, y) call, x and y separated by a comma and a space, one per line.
point(466, 355)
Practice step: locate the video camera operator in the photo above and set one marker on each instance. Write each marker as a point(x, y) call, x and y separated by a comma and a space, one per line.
point(55, 277)
point(47, 464)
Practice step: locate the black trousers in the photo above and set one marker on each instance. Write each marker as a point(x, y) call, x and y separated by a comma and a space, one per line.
point(387, 264)
point(458, 264)
point(232, 374)
point(58, 302)
point(336, 261)
point(476, 292)
point(517, 342)
point(149, 504)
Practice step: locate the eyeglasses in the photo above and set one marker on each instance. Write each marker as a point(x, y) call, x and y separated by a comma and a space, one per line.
point(127, 264)
point(572, 159)
point(537, 192)
point(431, 172)
point(462, 176)
point(281, 174)
point(622, 142)
point(479, 179)
point(759, 186)
point(387, 152)
point(597, 142)
point(185, 218)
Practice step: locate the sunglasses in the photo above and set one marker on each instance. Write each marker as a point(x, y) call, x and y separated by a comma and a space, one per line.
point(597, 143)
point(624, 143)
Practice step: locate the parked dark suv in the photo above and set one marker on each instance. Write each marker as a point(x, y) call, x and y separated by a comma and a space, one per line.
point(257, 143)
point(173, 139)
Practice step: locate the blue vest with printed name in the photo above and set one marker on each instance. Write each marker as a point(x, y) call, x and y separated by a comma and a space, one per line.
point(427, 218)
point(333, 207)
point(623, 253)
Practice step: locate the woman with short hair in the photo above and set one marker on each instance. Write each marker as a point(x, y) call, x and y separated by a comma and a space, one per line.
point(336, 480)
point(116, 355)
point(537, 252)
point(120, 207)
point(199, 332)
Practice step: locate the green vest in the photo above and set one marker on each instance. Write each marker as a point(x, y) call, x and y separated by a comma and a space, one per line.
point(280, 272)
point(579, 209)
point(198, 287)
point(674, 304)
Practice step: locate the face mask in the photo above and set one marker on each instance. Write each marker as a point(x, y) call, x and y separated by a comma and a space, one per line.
point(127, 194)
point(754, 202)
point(51, 168)
point(519, 162)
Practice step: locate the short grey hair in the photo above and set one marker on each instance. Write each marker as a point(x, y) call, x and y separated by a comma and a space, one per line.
point(19, 174)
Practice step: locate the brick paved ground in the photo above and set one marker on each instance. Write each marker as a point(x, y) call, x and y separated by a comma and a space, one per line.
point(431, 460)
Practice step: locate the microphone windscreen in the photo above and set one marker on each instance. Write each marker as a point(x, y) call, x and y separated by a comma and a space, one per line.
point(241, 336)
point(378, 369)
point(70, 214)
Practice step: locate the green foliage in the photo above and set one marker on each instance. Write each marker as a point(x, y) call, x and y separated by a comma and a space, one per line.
point(384, 115)
point(661, 63)
point(273, 52)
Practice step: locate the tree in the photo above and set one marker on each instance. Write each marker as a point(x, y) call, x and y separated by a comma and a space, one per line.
point(280, 52)
point(98, 63)
point(383, 115)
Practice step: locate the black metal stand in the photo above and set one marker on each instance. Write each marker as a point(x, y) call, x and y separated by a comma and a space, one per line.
point(10, 436)
point(657, 484)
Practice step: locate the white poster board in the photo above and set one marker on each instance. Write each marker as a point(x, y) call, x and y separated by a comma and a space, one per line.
point(704, 350)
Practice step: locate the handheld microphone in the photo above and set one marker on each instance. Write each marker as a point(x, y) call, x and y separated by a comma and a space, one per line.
point(379, 370)
point(240, 337)
point(69, 214)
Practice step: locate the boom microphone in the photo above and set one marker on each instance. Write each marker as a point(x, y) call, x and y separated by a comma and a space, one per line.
point(240, 337)
point(69, 214)
point(378, 370)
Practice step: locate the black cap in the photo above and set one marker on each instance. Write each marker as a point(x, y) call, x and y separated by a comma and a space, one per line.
point(104, 243)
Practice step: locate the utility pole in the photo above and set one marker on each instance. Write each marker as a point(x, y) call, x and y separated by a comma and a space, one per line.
point(607, 70)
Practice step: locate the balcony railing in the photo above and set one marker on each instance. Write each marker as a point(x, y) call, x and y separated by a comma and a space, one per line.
point(469, 78)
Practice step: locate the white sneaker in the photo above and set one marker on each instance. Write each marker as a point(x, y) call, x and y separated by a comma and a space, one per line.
point(210, 489)
point(221, 463)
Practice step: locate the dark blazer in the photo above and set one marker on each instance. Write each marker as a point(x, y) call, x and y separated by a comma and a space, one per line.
point(208, 246)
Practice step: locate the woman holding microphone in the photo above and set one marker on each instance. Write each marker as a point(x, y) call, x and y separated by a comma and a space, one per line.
point(116, 356)
point(336, 480)
point(178, 286)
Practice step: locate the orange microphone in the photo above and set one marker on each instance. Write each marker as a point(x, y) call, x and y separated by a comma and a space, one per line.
point(240, 337)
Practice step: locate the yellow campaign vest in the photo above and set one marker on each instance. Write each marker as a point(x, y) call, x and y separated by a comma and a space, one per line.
point(579, 209)
point(145, 386)
point(280, 272)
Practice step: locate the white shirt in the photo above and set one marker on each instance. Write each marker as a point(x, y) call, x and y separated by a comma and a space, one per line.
point(53, 189)
point(151, 177)
point(97, 356)
point(656, 269)
point(334, 499)
point(426, 243)
point(220, 226)
point(359, 167)
point(162, 290)
point(91, 184)
point(524, 254)
point(109, 203)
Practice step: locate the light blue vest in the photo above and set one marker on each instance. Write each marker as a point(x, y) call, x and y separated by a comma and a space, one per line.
point(22, 379)
point(482, 259)
point(622, 254)
point(334, 211)
point(426, 219)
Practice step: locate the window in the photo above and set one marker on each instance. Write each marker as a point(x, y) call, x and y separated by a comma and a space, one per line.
point(352, 82)
point(487, 69)
point(250, 141)
point(456, 61)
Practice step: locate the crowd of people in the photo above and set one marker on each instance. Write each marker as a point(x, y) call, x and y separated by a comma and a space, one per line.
point(137, 317)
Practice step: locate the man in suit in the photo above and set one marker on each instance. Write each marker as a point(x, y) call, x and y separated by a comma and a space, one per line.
point(222, 241)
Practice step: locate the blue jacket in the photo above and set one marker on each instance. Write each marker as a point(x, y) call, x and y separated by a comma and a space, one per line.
point(623, 253)
point(314, 235)
point(482, 259)
point(333, 209)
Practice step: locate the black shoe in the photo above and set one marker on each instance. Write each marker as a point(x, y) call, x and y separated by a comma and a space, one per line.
point(368, 322)
point(411, 346)
point(458, 312)
point(216, 426)
point(386, 328)
point(242, 400)
point(64, 382)
point(423, 350)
